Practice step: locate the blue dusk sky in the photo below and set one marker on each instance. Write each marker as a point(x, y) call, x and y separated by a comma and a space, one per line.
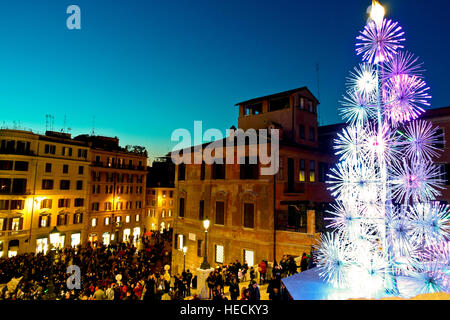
point(144, 68)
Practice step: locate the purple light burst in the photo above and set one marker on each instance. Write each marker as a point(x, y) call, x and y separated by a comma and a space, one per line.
point(379, 44)
point(404, 63)
point(405, 95)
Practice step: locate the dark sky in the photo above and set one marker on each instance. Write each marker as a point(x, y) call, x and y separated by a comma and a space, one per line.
point(144, 68)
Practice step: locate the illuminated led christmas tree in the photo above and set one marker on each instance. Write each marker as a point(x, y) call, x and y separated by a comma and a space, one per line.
point(386, 221)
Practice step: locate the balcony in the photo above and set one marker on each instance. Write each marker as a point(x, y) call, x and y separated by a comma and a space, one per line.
point(294, 188)
point(17, 152)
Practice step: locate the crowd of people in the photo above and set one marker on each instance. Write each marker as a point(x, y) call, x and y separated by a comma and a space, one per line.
point(122, 272)
point(114, 272)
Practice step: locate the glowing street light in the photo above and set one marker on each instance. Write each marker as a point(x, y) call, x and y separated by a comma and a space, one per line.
point(205, 265)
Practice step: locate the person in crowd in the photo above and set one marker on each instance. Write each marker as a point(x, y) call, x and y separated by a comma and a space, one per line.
point(234, 289)
point(254, 292)
point(304, 262)
point(262, 268)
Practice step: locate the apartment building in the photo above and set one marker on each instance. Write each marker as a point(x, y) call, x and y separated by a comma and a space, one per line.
point(160, 195)
point(255, 217)
point(116, 190)
point(43, 184)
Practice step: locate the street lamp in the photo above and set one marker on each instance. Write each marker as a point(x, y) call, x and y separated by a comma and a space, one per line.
point(205, 265)
point(184, 254)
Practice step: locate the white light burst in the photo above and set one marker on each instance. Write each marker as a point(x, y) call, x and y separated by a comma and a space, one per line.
point(364, 80)
point(430, 221)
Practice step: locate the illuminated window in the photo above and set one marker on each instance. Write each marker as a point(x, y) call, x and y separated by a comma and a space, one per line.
point(127, 219)
point(249, 257)
point(219, 253)
point(94, 222)
point(107, 221)
point(312, 171)
point(138, 218)
point(301, 171)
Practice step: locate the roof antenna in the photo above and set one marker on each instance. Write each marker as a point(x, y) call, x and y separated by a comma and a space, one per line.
point(318, 91)
point(93, 126)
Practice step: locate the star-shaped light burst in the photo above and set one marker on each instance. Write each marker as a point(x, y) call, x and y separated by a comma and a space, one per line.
point(417, 181)
point(379, 43)
point(430, 221)
point(404, 63)
point(334, 258)
point(357, 108)
point(419, 140)
point(363, 79)
point(405, 98)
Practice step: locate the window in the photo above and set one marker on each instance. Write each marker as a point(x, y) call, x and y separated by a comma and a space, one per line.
point(439, 139)
point(218, 170)
point(47, 184)
point(310, 106)
point(44, 221)
point(109, 177)
point(17, 204)
point(79, 202)
point(302, 103)
point(278, 104)
point(312, 134)
point(21, 166)
point(107, 221)
point(80, 185)
point(323, 170)
point(301, 171)
point(181, 211)
point(82, 153)
point(65, 168)
point(64, 185)
point(201, 210)
point(249, 170)
point(138, 204)
point(46, 204)
point(5, 185)
point(301, 131)
point(163, 213)
point(78, 218)
point(80, 169)
point(108, 206)
point(4, 204)
point(19, 186)
point(170, 194)
point(48, 167)
point(94, 222)
point(61, 219)
point(63, 203)
point(95, 206)
point(66, 151)
point(199, 248)
point(249, 257)
point(180, 241)
point(169, 213)
point(50, 149)
point(220, 213)
point(16, 224)
point(181, 171)
point(6, 165)
point(280, 175)
point(138, 218)
point(312, 171)
point(127, 219)
point(249, 215)
point(219, 253)
point(96, 175)
point(202, 171)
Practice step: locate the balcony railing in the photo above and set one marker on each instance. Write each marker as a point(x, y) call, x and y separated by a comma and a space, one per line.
point(294, 188)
